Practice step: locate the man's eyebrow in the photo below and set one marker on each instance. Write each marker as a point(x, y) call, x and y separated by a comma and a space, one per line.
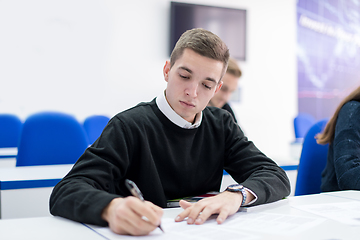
point(211, 79)
point(190, 71)
point(186, 69)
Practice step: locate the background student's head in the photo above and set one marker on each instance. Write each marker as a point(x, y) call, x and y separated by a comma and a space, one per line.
point(230, 83)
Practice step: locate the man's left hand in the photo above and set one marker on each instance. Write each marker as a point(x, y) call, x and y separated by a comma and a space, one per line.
point(225, 204)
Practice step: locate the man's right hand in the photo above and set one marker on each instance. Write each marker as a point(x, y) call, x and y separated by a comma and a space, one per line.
point(132, 216)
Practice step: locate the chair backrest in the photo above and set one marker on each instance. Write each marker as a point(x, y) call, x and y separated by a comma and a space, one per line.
point(94, 126)
point(312, 162)
point(51, 138)
point(302, 124)
point(10, 130)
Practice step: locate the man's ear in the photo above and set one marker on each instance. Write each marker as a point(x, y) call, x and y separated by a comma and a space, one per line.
point(166, 70)
point(218, 86)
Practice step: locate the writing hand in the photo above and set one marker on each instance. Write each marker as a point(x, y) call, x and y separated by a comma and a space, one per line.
point(132, 216)
point(224, 204)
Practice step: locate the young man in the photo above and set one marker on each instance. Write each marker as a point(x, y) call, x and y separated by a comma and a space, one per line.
point(230, 83)
point(171, 147)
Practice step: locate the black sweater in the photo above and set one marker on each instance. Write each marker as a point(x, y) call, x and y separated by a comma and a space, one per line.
point(165, 161)
point(229, 109)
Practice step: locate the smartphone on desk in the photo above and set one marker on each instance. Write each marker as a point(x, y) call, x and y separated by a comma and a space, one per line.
point(175, 202)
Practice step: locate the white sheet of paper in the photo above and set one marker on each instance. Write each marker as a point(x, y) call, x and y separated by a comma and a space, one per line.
point(347, 212)
point(246, 225)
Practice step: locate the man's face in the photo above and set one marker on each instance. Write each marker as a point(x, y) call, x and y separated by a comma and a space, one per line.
point(230, 83)
point(191, 83)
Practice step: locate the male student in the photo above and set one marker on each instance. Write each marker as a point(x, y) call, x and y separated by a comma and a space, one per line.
point(171, 147)
point(230, 83)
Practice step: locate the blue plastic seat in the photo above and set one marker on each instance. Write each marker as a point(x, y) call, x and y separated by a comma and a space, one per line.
point(302, 124)
point(51, 138)
point(94, 125)
point(312, 162)
point(10, 130)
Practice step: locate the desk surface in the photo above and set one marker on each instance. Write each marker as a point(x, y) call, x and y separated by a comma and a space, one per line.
point(8, 152)
point(45, 228)
point(284, 219)
point(32, 176)
point(25, 191)
point(8, 157)
point(34, 172)
point(290, 209)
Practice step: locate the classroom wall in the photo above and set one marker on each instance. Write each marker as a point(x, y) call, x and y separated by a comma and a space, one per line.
point(88, 57)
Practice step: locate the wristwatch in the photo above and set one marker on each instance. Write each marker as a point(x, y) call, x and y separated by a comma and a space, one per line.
point(238, 188)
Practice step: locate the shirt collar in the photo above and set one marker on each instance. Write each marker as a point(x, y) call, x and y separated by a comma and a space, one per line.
point(165, 108)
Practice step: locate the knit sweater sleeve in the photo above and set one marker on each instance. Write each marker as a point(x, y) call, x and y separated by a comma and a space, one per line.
point(90, 185)
point(250, 167)
point(346, 147)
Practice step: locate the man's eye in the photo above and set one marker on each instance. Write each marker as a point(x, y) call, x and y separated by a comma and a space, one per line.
point(206, 86)
point(182, 76)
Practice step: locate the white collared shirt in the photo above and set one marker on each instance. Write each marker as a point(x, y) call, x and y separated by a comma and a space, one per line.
point(166, 109)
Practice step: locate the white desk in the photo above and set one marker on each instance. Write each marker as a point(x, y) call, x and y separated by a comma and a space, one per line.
point(326, 229)
point(8, 157)
point(8, 152)
point(25, 191)
point(287, 214)
point(45, 228)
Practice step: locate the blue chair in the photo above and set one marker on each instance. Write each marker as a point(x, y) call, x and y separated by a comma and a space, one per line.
point(50, 138)
point(94, 125)
point(312, 162)
point(10, 130)
point(302, 124)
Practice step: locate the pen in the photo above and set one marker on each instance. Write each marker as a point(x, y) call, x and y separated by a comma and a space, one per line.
point(135, 191)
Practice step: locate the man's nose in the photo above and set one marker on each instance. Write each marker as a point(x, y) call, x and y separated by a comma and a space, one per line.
point(191, 89)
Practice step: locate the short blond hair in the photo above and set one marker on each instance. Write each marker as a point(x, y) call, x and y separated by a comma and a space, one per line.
point(233, 68)
point(203, 42)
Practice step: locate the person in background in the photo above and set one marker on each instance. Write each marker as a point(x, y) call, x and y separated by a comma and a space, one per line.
point(342, 133)
point(230, 83)
point(172, 147)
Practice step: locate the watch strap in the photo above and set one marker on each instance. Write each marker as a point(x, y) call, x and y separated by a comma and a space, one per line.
point(244, 194)
point(238, 188)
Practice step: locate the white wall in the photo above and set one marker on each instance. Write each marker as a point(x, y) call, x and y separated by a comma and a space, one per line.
point(100, 57)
